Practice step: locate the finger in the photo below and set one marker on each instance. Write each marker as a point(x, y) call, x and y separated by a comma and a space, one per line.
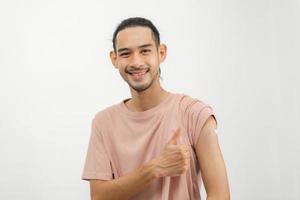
point(184, 147)
point(175, 137)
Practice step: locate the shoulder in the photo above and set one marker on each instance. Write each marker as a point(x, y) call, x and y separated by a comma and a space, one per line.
point(190, 104)
point(105, 115)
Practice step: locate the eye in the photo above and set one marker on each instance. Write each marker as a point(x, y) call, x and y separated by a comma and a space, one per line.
point(145, 51)
point(125, 54)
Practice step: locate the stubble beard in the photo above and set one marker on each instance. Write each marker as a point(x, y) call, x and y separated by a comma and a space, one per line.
point(142, 88)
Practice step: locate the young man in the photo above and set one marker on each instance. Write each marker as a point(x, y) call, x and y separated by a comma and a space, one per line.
point(156, 145)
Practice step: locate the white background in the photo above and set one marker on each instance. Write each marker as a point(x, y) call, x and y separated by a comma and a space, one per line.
point(242, 57)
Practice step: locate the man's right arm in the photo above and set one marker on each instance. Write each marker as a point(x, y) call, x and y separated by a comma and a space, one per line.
point(173, 161)
point(124, 187)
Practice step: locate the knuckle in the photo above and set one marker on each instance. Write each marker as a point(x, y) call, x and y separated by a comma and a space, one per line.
point(182, 153)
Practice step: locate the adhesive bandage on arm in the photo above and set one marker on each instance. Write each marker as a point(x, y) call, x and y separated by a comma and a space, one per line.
point(216, 131)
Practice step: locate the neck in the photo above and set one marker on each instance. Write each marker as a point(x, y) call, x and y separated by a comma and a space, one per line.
point(147, 99)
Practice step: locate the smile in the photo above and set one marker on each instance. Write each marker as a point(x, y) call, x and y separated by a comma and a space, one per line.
point(138, 75)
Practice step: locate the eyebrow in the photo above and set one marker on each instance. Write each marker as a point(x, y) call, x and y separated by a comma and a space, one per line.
point(140, 47)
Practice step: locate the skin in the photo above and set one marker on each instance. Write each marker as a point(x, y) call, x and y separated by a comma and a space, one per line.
point(135, 51)
point(131, 55)
point(211, 162)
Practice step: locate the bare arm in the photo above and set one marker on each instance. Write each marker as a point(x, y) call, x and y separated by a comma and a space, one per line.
point(211, 163)
point(124, 187)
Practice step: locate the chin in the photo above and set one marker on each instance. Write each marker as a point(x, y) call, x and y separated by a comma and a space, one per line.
point(139, 87)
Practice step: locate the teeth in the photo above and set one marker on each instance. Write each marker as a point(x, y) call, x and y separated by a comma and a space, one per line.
point(142, 72)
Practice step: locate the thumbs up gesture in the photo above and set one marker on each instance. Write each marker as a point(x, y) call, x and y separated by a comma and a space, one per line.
point(176, 135)
point(174, 160)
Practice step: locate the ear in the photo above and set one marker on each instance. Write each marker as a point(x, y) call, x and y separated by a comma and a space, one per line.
point(162, 51)
point(113, 58)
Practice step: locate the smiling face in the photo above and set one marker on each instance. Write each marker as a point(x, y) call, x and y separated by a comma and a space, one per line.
point(137, 57)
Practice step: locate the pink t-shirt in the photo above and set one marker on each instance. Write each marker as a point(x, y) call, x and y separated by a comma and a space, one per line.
point(122, 141)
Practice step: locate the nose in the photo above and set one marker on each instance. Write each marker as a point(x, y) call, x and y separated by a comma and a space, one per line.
point(136, 60)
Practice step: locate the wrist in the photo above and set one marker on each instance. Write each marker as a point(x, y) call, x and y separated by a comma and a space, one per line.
point(153, 170)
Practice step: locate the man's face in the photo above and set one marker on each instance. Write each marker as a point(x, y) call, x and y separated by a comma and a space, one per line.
point(137, 57)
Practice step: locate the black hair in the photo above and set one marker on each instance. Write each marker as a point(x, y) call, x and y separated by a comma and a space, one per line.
point(134, 22)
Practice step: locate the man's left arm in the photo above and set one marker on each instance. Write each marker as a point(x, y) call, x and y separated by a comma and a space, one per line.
point(211, 162)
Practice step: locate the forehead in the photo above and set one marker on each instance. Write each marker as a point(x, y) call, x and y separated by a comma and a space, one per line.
point(133, 37)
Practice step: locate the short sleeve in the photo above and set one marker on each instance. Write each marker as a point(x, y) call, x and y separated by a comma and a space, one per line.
point(195, 113)
point(97, 163)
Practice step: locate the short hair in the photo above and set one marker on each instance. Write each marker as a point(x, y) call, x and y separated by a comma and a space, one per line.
point(135, 22)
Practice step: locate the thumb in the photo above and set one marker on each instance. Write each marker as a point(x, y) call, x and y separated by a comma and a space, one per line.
point(174, 138)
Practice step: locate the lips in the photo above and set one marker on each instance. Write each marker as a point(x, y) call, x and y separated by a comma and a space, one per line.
point(138, 75)
point(138, 72)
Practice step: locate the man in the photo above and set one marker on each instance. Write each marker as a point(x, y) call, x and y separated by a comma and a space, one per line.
point(156, 145)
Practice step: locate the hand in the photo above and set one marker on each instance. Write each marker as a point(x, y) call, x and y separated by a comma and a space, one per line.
point(174, 160)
